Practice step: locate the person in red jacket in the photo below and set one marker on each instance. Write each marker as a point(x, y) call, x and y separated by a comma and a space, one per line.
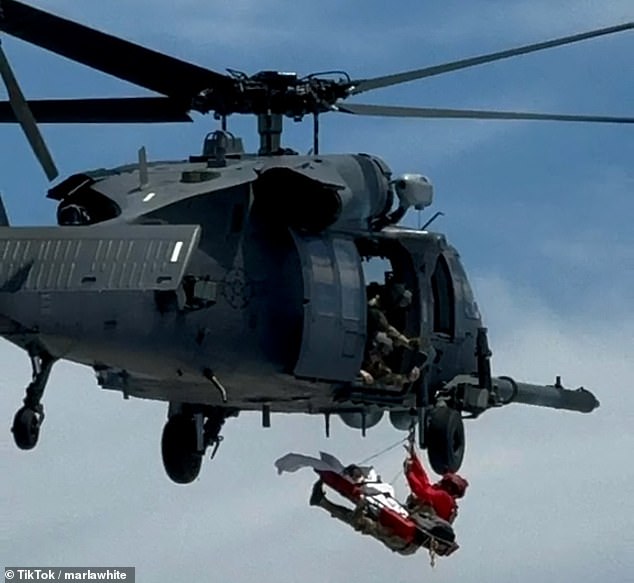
point(439, 498)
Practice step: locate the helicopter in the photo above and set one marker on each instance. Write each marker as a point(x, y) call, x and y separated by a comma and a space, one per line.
point(233, 281)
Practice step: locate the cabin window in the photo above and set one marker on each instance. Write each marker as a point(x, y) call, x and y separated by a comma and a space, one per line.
point(444, 298)
point(388, 261)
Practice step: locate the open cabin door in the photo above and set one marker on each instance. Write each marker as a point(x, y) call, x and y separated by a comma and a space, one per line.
point(335, 305)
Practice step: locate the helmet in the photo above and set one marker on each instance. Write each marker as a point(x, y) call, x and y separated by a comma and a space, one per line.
point(398, 296)
point(383, 343)
point(453, 484)
point(354, 472)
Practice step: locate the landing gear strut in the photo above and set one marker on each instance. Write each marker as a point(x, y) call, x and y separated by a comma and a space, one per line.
point(189, 431)
point(28, 419)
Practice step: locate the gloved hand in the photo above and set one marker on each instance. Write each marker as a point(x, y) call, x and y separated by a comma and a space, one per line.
point(409, 460)
point(366, 377)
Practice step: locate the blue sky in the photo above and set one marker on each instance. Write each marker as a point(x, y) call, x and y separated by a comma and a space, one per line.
point(541, 213)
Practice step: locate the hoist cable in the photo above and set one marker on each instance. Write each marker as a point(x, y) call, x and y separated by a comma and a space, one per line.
point(383, 451)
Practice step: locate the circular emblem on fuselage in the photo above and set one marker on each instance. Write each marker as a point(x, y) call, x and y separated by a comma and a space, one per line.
point(237, 289)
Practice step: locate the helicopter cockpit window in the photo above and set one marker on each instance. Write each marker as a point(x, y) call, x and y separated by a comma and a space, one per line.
point(444, 298)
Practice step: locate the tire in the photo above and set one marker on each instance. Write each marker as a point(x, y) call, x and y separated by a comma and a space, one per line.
point(445, 440)
point(26, 428)
point(181, 458)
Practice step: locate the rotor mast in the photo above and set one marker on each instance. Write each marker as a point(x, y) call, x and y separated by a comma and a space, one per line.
point(270, 132)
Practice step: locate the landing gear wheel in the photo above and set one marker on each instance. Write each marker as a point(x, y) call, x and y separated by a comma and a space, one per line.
point(181, 457)
point(445, 440)
point(26, 428)
point(28, 419)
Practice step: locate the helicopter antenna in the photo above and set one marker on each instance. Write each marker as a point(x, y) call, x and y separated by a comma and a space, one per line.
point(315, 133)
point(430, 221)
point(143, 168)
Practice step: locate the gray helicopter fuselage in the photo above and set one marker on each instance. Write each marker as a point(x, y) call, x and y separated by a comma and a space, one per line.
point(271, 300)
point(228, 282)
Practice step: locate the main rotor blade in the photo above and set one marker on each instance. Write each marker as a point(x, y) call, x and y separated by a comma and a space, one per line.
point(23, 115)
point(110, 54)
point(430, 112)
point(377, 82)
point(108, 110)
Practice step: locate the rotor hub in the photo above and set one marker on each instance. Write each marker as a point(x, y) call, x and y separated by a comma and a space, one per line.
point(272, 92)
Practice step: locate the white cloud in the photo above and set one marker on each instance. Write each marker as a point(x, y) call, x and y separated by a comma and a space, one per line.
point(588, 250)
